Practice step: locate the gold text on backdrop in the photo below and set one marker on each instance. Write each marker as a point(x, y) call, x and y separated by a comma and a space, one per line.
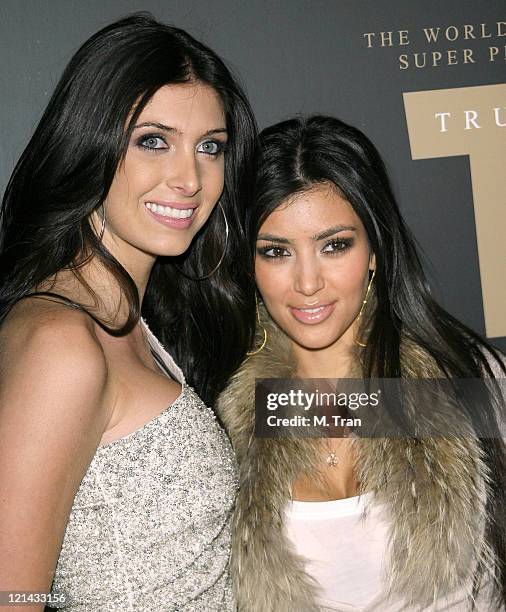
point(471, 121)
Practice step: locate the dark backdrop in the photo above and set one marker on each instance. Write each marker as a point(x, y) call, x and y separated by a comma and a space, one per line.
point(298, 56)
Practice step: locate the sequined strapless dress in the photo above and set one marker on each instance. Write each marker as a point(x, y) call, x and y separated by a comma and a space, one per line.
point(150, 524)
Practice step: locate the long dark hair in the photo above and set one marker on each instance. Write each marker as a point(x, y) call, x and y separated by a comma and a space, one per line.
point(303, 152)
point(65, 174)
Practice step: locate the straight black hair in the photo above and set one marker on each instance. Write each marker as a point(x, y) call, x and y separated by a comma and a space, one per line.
point(65, 174)
point(301, 153)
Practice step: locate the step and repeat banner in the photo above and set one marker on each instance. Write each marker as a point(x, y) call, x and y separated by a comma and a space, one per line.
point(426, 81)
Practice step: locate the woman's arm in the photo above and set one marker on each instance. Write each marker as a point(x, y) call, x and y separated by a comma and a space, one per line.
point(52, 385)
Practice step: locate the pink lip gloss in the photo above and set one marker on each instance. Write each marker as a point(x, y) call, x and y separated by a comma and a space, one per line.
point(316, 316)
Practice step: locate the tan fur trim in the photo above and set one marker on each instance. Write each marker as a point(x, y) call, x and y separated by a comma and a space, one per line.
point(433, 491)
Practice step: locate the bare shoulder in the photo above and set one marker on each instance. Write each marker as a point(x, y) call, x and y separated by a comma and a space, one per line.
point(45, 335)
point(53, 380)
point(50, 355)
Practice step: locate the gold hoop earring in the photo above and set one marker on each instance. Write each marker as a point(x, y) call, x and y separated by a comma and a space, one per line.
point(364, 302)
point(102, 229)
point(264, 342)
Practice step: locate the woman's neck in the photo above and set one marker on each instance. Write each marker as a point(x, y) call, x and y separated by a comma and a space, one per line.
point(137, 263)
point(96, 288)
point(336, 361)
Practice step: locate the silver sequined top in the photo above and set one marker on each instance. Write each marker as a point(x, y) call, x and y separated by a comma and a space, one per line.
point(150, 524)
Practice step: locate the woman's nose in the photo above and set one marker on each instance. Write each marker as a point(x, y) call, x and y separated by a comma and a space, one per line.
point(184, 173)
point(308, 278)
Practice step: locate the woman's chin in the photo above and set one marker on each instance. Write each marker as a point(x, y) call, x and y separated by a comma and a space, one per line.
point(174, 248)
point(314, 342)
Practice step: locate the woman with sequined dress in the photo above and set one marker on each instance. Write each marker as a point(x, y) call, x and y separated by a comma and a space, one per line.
point(116, 481)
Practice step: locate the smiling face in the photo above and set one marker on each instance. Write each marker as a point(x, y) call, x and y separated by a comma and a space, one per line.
point(172, 175)
point(312, 268)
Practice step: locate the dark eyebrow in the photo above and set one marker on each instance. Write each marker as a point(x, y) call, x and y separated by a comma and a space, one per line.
point(325, 234)
point(334, 230)
point(159, 126)
point(216, 131)
point(272, 238)
point(167, 128)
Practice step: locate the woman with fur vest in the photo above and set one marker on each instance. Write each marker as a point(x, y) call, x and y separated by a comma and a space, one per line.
point(350, 523)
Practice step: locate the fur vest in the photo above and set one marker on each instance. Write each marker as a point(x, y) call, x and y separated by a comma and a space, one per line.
point(434, 490)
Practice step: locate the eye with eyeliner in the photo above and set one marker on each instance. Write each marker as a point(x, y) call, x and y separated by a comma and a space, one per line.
point(220, 147)
point(338, 246)
point(149, 142)
point(156, 143)
point(333, 247)
point(272, 251)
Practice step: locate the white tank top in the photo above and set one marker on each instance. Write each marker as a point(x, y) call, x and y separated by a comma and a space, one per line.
point(346, 551)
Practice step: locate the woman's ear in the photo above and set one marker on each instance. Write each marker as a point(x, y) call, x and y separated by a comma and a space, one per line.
point(372, 262)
